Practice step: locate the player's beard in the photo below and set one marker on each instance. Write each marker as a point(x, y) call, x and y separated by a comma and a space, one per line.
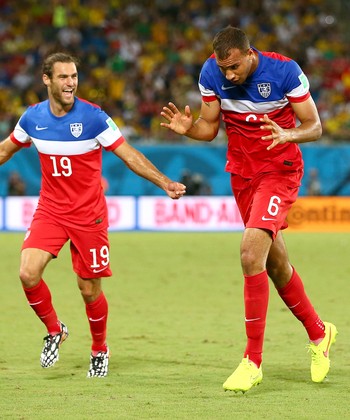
point(62, 99)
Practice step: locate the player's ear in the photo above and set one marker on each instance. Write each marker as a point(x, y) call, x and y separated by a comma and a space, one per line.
point(46, 79)
point(250, 53)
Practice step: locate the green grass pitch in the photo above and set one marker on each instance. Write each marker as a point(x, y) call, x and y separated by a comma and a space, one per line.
point(176, 332)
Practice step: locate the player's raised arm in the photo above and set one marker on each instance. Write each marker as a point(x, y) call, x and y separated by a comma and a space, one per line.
point(139, 164)
point(205, 128)
point(7, 150)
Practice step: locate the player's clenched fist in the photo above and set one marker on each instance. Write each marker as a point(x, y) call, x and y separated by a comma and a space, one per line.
point(176, 190)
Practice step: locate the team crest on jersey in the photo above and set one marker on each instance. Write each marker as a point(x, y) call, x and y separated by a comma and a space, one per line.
point(76, 129)
point(264, 89)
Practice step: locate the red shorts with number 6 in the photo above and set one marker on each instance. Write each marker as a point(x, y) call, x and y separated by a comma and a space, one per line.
point(89, 250)
point(265, 200)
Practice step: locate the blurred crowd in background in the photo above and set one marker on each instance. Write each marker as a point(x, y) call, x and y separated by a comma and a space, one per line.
point(136, 56)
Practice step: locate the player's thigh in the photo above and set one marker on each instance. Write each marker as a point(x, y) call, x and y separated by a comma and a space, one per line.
point(243, 193)
point(274, 196)
point(90, 253)
point(43, 241)
point(46, 235)
point(255, 247)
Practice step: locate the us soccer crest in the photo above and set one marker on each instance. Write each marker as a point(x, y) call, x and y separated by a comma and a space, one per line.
point(76, 129)
point(264, 89)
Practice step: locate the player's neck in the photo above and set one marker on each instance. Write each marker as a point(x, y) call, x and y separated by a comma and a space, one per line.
point(59, 110)
point(255, 63)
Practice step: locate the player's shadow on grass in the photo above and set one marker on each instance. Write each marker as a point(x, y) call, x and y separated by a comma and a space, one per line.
point(131, 362)
point(291, 375)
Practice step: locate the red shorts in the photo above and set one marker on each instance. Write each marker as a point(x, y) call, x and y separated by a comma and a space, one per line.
point(264, 201)
point(89, 250)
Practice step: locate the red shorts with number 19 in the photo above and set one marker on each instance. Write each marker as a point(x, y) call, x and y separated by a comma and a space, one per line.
point(89, 250)
point(265, 200)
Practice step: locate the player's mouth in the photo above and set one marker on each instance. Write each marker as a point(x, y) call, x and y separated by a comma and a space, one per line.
point(68, 93)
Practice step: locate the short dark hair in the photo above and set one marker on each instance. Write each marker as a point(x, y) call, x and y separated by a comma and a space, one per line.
point(229, 38)
point(57, 57)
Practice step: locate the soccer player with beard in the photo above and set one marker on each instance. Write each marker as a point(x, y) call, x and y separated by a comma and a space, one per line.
point(260, 95)
point(69, 134)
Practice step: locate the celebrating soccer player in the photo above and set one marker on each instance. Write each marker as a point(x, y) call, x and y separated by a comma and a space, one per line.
point(69, 134)
point(260, 95)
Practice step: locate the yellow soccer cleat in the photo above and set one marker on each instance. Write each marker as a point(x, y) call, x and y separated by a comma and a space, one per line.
point(244, 377)
point(320, 361)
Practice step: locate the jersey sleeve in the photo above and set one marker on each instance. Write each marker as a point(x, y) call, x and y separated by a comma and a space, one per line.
point(111, 137)
point(297, 84)
point(204, 84)
point(19, 136)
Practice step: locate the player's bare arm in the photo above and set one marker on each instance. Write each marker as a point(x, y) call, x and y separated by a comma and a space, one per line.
point(7, 150)
point(139, 164)
point(310, 128)
point(205, 128)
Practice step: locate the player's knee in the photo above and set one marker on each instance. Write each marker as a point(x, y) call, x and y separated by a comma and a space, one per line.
point(279, 272)
point(87, 295)
point(251, 262)
point(29, 278)
point(89, 292)
point(90, 289)
point(274, 270)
